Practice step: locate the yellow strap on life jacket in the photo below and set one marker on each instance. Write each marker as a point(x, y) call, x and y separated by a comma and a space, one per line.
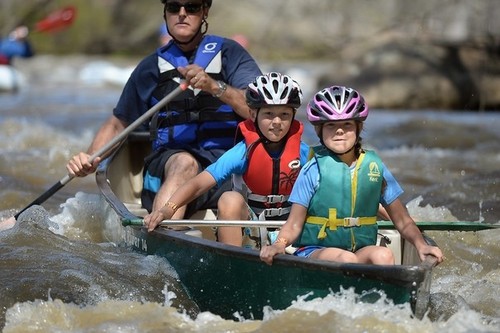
point(333, 222)
point(354, 182)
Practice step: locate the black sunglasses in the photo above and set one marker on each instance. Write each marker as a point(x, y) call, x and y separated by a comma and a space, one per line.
point(190, 7)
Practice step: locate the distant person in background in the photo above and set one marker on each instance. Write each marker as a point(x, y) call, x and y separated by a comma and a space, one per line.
point(15, 45)
point(197, 126)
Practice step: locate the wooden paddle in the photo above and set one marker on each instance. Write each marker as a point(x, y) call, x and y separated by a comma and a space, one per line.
point(442, 226)
point(105, 149)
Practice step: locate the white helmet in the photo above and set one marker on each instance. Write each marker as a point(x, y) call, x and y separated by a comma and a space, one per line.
point(273, 89)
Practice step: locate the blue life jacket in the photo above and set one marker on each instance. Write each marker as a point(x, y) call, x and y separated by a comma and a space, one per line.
point(194, 117)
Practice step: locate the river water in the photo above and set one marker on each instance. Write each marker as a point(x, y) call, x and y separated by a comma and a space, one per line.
point(62, 268)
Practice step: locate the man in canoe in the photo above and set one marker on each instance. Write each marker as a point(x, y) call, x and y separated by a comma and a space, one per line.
point(199, 125)
point(337, 193)
point(264, 165)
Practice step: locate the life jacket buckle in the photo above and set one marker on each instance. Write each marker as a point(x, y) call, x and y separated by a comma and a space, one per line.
point(271, 212)
point(193, 116)
point(274, 198)
point(351, 222)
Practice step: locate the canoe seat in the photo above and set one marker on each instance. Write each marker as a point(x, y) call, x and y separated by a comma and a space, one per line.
point(394, 243)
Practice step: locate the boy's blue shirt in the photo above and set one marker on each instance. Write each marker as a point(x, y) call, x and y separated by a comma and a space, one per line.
point(235, 161)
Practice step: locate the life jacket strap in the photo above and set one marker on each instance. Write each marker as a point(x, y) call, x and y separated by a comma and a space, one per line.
point(332, 222)
point(270, 199)
point(272, 212)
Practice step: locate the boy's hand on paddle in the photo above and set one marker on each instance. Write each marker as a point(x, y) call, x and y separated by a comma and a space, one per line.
point(151, 221)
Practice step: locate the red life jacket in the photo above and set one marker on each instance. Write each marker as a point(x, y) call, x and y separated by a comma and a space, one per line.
point(270, 180)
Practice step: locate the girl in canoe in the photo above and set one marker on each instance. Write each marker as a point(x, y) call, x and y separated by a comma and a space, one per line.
point(337, 193)
point(264, 165)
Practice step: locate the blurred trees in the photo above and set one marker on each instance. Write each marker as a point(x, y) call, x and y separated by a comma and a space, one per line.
point(297, 29)
point(401, 54)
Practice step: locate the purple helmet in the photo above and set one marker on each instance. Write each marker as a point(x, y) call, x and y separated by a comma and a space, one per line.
point(273, 89)
point(336, 103)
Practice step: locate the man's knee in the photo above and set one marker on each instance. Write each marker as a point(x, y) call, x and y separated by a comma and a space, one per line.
point(182, 163)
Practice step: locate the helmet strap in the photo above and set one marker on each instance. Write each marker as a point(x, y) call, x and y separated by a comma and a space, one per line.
point(263, 139)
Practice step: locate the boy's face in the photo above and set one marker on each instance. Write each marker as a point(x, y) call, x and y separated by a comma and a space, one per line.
point(274, 121)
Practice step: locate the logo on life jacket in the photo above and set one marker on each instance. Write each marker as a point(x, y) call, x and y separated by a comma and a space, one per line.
point(210, 48)
point(374, 173)
point(295, 164)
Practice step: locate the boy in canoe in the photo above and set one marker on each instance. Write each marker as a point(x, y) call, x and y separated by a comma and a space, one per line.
point(337, 193)
point(264, 165)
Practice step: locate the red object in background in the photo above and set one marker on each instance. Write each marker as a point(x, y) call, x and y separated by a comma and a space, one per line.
point(57, 20)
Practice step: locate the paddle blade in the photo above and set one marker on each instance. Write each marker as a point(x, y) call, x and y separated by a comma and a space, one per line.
point(58, 20)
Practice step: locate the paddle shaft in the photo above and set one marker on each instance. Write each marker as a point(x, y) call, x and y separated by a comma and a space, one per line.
point(208, 223)
point(439, 226)
point(109, 146)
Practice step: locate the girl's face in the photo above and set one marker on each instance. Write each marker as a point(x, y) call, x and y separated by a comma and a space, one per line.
point(340, 136)
point(274, 121)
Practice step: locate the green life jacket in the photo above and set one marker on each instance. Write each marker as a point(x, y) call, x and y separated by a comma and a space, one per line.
point(343, 211)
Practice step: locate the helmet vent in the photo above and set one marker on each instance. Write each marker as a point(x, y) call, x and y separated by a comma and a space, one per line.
point(284, 94)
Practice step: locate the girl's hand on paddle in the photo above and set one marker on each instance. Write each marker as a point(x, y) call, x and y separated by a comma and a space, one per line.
point(268, 252)
point(80, 166)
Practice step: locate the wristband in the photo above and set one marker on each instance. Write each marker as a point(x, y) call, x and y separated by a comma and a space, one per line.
point(281, 240)
point(172, 205)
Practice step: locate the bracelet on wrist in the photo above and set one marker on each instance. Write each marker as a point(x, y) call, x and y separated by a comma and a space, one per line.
point(172, 205)
point(281, 240)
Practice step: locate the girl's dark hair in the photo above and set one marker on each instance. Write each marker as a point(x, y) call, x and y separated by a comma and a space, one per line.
point(357, 147)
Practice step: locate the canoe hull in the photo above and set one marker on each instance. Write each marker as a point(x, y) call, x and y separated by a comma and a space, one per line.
point(225, 279)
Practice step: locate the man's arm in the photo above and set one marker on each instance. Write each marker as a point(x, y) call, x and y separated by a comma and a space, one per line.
point(197, 78)
point(80, 165)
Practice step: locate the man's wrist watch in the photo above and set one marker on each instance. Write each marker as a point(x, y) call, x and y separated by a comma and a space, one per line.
point(222, 89)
